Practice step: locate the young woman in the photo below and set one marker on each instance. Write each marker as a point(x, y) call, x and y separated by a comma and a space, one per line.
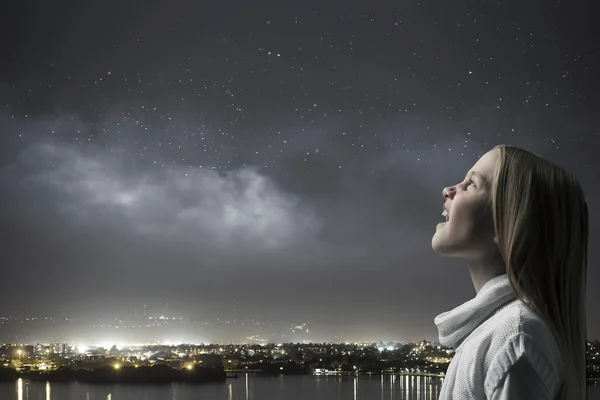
point(521, 224)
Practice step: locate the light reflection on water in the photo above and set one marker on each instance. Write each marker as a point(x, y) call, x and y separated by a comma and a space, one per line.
point(247, 387)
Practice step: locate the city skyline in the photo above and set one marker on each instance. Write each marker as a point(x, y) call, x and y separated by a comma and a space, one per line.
point(283, 161)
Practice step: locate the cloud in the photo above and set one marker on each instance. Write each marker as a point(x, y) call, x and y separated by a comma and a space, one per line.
point(241, 208)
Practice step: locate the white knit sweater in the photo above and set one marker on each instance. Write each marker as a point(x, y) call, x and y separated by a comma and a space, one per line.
point(503, 349)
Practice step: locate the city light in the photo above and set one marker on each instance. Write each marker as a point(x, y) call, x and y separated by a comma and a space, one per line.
point(400, 358)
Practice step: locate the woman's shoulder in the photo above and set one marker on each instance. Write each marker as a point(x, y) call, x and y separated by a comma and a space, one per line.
point(517, 323)
point(513, 320)
point(517, 333)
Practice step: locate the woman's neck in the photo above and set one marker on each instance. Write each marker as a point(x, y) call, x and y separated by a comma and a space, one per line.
point(483, 270)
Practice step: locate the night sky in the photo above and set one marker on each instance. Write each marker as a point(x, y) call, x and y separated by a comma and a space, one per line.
point(286, 158)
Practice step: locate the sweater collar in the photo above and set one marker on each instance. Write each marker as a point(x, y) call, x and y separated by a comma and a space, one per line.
point(455, 325)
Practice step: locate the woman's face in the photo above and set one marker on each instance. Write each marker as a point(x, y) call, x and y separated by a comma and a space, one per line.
point(469, 231)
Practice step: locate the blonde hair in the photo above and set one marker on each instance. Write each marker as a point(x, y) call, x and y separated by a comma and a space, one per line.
point(541, 222)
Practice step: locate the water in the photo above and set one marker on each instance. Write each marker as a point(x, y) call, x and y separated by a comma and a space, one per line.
point(247, 387)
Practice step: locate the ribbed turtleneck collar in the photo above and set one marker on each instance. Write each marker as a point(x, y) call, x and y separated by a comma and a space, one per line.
point(455, 325)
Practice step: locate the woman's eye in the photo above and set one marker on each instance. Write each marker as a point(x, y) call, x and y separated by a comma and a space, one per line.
point(472, 183)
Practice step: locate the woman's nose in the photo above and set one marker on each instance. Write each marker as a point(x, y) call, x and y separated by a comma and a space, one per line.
point(449, 192)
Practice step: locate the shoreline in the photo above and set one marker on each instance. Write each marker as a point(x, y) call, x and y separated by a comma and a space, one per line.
point(177, 376)
point(126, 375)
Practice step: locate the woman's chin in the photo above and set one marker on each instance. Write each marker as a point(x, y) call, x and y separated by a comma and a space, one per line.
point(438, 239)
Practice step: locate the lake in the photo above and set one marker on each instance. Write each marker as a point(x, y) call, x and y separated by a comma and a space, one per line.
point(247, 387)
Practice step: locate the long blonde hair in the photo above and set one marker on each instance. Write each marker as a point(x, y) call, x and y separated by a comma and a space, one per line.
point(541, 222)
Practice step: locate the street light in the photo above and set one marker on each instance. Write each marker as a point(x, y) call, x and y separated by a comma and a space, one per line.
point(19, 352)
